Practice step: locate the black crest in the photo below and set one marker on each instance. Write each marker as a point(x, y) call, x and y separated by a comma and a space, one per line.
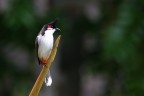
point(53, 23)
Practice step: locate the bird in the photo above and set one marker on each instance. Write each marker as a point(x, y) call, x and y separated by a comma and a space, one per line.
point(44, 44)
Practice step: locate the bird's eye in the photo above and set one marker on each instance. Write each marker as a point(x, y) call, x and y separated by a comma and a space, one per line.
point(49, 26)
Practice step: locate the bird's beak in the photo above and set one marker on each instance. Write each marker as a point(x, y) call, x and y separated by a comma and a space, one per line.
point(58, 29)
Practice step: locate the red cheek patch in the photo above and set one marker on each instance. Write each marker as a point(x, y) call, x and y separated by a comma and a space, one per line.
point(49, 26)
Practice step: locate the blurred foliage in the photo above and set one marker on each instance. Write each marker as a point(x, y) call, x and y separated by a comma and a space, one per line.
point(123, 42)
point(119, 50)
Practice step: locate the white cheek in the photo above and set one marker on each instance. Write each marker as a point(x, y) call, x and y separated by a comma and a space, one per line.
point(50, 31)
point(49, 28)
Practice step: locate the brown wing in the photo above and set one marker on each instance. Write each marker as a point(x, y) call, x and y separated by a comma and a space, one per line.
point(36, 46)
point(42, 32)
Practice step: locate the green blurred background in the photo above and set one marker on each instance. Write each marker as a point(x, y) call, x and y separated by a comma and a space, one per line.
point(101, 52)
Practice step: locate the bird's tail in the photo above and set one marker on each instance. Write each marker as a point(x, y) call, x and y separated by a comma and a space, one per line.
point(48, 79)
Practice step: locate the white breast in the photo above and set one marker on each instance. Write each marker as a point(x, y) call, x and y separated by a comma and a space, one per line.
point(45, 43)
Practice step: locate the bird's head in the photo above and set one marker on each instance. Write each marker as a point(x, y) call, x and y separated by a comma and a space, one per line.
point(52, 25)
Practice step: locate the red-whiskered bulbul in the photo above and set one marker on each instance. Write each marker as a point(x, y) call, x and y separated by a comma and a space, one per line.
point(44, 44)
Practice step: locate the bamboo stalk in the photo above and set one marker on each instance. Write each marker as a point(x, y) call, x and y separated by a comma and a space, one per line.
point(38, 84)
